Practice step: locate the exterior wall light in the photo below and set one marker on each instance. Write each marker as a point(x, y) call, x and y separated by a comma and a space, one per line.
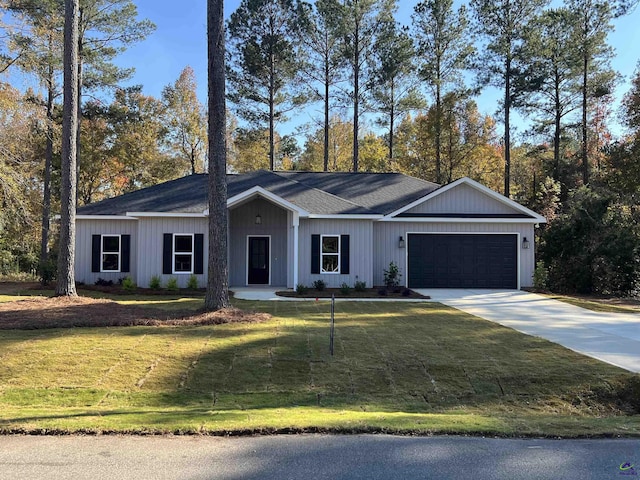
point(401, 243)
point(525, 243)
point(258, 219)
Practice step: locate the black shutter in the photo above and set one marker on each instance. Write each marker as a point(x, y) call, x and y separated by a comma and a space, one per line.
point(315, 253)
point(198, 254)
point(95, 252)
point(344, 254)
point(125, 251)
point(167, 254)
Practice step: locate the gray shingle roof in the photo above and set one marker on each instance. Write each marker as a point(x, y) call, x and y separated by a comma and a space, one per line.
point(317, 193)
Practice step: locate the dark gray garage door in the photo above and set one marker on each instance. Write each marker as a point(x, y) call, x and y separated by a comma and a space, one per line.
point(462, 261)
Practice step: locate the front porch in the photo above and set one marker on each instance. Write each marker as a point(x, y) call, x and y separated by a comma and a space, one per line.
point(263, 241)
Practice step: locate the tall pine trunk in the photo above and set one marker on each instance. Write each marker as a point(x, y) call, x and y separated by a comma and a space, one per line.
point(356, 88)
point(48, 160)
point(584, 152)
point(218, 273)
point(66, 285)
point(507, 128)
point(327, 120)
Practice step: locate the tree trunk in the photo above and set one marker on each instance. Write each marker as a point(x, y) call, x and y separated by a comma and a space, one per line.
point(46, 194)
point(584, 150)
point(438, 132)
point(218, 275)
point(327, 82)
point(392, 119)
point(356, 87)
point(557, 131)
point(80, 73)
point(66, 285)
point(507, 128)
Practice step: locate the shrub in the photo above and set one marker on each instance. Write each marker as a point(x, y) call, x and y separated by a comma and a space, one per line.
point(382, 292)
point(392, 276)
point(319, 285)
point(192, 284)
point(155, 283)
point(128, 284)
point(301, 289)
point(406, 292)
point(101, 282)
point(345, 289)
point(540, 276)
point(172, 284)
point(48, 271)
point(359, 286)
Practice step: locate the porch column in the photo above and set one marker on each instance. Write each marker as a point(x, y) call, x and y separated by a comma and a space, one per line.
point(296, 224)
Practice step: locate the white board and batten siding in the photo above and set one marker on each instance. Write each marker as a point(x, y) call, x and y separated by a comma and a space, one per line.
point(85, 229)
point(386, 237)
point(462, 199)
point(360, 251)
point(151, 232)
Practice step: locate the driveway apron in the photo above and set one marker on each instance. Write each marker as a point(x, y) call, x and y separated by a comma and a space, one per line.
point(611, 337)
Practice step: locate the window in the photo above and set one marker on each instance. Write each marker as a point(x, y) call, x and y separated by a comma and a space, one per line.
point(183, 253)
point(110, 253)
point(330, 254)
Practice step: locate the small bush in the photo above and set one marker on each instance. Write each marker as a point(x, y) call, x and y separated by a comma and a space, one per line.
point(406, 292)
point(192, 284)
point(101, 282)
point(345, 289)
point(128, 284)
point(359, 286)
point(301, 289)
point(155, 283)
point(382, 292)
point(172, 284)
point(319, 285)
point(540, 276)
point(392, 276)
point(48, 271)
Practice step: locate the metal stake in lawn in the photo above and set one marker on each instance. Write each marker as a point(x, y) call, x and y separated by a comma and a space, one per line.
point(333, 323)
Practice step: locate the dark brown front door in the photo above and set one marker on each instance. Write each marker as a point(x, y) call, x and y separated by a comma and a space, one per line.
point(258, 261)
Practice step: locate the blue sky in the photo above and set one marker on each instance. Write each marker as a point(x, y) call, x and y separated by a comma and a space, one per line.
point(180, 40)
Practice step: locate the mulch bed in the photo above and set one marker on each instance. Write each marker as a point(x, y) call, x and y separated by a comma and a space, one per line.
point(367, 293)
point(65, 312)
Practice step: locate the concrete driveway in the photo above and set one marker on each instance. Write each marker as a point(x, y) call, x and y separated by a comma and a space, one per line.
point(611, 337)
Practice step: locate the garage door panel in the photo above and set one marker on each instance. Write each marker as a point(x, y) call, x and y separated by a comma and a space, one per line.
point(462, 261)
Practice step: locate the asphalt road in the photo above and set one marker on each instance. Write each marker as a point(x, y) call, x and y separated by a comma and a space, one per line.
point(310, 457)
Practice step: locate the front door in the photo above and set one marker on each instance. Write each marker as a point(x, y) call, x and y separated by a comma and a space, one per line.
point(258, 261)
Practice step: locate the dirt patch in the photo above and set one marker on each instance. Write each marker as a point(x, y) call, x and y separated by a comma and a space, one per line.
point(64, 312)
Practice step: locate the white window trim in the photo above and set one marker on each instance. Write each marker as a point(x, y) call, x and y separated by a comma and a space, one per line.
point(174, 253)
point(102, 252)
point(322, 272)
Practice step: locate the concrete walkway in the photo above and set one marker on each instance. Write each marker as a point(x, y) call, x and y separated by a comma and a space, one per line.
point(611, 337)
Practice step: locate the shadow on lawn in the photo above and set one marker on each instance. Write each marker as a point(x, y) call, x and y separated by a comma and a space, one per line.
point(421, 358)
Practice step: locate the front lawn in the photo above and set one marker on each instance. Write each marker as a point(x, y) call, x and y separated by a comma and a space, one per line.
point(398, 367)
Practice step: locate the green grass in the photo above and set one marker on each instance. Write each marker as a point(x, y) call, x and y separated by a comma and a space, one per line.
point(595, 304)
point(398, 367)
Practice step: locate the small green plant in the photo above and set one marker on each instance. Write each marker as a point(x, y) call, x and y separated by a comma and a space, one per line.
point(392, 276)
point(301, 289)
point(319, 285)
point(128, 284)
point(345, 289)
point(172, 284)
point(359, 286)
point(155, 283)
point(192, 284)
point(540, 276)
